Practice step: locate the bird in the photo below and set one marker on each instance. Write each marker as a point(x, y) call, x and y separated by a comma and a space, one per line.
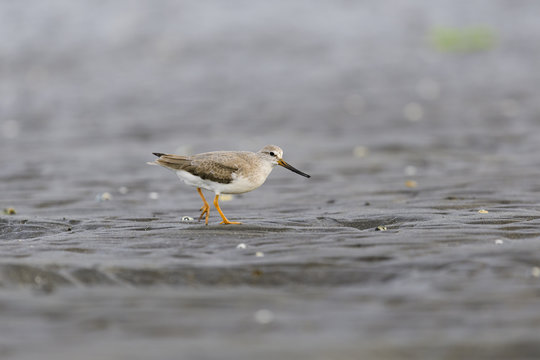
point(225, 172)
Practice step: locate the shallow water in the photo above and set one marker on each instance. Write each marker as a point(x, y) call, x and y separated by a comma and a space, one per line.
point(382, 254)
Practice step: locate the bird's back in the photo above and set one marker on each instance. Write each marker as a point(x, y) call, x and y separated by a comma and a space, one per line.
point(218, 166)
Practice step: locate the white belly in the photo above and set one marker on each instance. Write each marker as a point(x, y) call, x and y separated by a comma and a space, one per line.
point(237, 186)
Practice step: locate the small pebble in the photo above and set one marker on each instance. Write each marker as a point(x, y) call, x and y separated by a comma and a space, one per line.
point(360, 151)
point(381, 228)
point(104, 197)
point(264, 316)
point(410, 170)
point(153, 195)
point(259, 254)
point(413, 112)
point(241, 246)
point(225, 197)
point(483, 211)
point(535, 271)
point(123, 190)
point(187, 218)
point(411, 184)
point(499, 242)
point(10, 211)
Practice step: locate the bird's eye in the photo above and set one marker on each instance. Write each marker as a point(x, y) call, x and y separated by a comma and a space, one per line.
point(272, 153)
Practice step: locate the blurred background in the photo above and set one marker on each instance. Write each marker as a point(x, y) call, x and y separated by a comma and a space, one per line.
point(93, 79)
point(94, 87)
point(416, 111)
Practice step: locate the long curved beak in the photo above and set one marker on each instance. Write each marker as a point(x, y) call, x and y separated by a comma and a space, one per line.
point(293, 169)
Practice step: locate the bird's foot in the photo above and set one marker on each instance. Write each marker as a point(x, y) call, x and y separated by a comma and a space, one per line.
point(227, 222)
point(205, 210)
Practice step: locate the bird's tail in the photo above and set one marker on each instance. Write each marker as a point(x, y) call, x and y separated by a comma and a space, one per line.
point(153, 162)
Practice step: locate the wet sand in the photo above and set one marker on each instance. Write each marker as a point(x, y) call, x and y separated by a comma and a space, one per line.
point(385, 253)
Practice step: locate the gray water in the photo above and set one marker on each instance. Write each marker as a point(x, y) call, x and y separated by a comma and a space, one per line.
point(398, 133)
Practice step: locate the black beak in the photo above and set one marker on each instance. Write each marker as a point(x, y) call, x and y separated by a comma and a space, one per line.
point(293, 169)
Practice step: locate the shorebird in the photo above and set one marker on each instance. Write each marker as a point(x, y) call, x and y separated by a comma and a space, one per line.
point(225, 172)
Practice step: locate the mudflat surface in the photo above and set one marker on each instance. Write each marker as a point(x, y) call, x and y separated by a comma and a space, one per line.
point(411, 117)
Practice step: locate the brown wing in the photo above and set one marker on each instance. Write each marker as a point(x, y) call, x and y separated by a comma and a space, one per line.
point(204, 168)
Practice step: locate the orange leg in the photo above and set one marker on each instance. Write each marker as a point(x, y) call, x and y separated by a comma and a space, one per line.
point(225, 220)
point(205, 208)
